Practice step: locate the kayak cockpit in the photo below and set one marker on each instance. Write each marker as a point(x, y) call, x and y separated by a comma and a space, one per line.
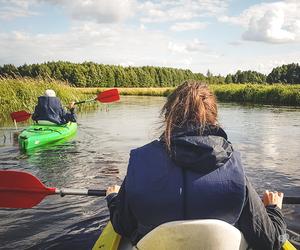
point(207, 234)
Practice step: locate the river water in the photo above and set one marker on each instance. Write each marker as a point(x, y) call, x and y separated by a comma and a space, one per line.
point(267, 137)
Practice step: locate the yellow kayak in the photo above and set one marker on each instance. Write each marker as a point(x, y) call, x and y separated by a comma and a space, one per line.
point(180, 235)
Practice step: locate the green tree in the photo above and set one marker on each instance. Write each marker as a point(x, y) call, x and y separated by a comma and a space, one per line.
point(229, 79)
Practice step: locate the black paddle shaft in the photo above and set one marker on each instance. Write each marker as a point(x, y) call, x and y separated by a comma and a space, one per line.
point(291, 200)
point(94, 192)
point(80, 102)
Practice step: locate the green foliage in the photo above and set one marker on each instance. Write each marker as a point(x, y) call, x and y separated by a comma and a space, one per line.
point(89, 74)
point(246, 77)
point(276, 94)
point(289, 73)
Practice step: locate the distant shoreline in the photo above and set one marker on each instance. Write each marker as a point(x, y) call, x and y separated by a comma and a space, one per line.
point(22, 93)
point(276, 94)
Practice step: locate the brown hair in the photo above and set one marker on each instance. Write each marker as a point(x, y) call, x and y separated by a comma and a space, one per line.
point(192, 103)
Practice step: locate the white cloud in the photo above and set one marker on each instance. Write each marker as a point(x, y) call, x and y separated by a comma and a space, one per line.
point(99, 33)
point(185, 26)
point(235, 43)
point(277, 22)
point(12, 9)
point(113, 44)
point(194, 46)
point(104, 43)
point(101, 11)
point(99, 43)
point(166, 11)
point(177, 48)
point(112, 11)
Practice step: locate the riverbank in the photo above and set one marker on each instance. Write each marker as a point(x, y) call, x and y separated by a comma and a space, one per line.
point(276, 94)
point(22, 93)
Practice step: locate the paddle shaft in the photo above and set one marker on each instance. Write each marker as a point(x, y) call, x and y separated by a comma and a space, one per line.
point(102, 192)
point(90, 100)
point(88, 192)
point(99, 193)
point(291, 200)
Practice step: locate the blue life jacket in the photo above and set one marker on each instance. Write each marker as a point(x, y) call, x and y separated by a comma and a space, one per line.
point(50, 109)
point(203, 178)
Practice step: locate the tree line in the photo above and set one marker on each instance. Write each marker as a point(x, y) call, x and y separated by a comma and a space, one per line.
point(89, 74)
point(285, 74)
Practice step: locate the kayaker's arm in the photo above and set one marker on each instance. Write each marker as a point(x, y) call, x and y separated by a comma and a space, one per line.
point(68, 116)
point(121, 217)
point(262, 227)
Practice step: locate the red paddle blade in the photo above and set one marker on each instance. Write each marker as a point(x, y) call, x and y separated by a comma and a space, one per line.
point(110, 95)
point(21, 190)
point(20, 116)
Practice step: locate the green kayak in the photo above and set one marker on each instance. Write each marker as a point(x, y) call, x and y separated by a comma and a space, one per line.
point(39, 134)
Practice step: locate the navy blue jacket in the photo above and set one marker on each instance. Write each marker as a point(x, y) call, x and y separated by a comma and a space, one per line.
point(202, 178)
point(50, 109)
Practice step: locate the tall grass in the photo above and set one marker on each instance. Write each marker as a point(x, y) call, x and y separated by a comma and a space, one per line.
point(22, 94)
point(276, 94)
point(133, 91)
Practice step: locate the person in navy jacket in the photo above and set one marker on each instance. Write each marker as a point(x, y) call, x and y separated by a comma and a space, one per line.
point(49, 108)
point(192, 172)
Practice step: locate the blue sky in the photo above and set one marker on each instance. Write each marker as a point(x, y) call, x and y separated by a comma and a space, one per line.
point(220, 35)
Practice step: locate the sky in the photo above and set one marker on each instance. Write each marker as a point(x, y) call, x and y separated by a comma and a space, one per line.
point(220, 35)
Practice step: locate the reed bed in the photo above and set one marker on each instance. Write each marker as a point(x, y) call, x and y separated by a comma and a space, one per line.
point(22, 94)
point(276, 94)
point(133, 91)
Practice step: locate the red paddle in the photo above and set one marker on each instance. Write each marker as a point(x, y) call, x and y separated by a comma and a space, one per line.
point(106, 96)
point(23, 190)
point(20, 116)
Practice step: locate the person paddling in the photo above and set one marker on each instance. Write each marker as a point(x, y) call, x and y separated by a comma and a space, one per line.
point(49, 109)
point(193, 172)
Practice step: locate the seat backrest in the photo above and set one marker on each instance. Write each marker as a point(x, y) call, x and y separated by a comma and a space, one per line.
point(194, 235)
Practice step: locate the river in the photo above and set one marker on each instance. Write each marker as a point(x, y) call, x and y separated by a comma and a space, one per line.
point(267, 137)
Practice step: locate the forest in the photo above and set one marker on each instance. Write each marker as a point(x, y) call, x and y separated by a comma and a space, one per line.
point(89, 74)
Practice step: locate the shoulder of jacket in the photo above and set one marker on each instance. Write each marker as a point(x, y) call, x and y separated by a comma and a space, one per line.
point(146, 147)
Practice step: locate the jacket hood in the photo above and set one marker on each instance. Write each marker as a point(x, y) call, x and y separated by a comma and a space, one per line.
point(48, 100)
point(200, 152)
